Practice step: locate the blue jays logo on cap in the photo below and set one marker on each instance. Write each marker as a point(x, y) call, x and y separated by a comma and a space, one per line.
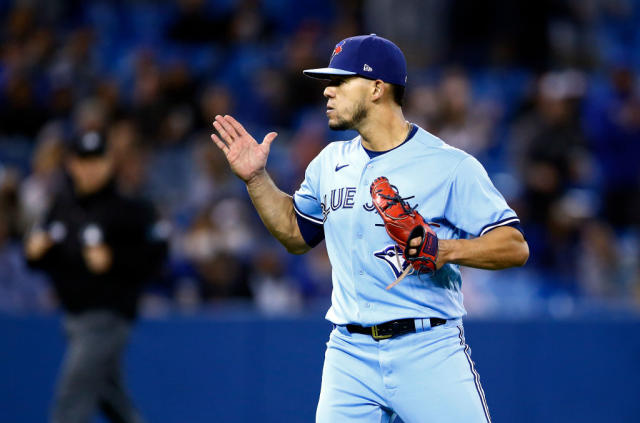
point(338, 48)
point(368, 56)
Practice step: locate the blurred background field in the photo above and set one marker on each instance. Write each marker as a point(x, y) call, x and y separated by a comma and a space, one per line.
point(545, 94)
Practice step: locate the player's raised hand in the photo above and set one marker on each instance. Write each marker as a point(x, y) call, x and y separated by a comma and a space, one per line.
point(246, 157)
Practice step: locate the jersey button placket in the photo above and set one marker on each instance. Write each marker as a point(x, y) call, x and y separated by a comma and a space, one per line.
point(358, 230)
point(356, 271)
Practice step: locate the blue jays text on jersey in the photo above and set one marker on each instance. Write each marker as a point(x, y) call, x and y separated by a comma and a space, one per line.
point(447, 185)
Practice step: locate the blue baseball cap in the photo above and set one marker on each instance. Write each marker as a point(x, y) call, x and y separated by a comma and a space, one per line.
point(368, 56)
point(89, 144)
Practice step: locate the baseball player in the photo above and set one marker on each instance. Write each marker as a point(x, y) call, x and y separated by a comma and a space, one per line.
point(400, 210)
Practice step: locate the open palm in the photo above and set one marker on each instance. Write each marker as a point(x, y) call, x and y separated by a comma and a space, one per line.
point(246, 157)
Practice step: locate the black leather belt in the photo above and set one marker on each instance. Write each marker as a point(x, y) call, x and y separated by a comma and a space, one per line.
point(393, 328)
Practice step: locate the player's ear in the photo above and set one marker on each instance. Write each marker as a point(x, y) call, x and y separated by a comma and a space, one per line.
point(377, 90)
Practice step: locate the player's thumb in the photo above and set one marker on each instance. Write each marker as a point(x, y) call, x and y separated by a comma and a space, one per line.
point(268, 139)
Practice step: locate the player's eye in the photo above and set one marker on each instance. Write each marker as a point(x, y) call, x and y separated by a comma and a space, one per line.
point(335, 82)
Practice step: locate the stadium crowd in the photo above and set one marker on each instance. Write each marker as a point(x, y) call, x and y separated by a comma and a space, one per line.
point(546, 95)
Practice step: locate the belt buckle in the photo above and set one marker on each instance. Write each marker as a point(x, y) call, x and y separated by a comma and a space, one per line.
point(376, 335)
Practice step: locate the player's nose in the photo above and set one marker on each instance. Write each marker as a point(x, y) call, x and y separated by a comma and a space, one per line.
point(329, 92)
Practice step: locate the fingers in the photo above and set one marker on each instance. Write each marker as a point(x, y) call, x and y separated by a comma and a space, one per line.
point(231, 126)
point(268, 139)
point(239, 129)
point(225, 130)
point(221, 145)
point(231, 130)
point(414, 242)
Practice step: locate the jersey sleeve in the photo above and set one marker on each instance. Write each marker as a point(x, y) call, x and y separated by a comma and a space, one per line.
point(307, 205)
point(475, 205)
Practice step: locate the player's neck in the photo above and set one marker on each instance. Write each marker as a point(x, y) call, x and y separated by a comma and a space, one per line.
point(385, 131)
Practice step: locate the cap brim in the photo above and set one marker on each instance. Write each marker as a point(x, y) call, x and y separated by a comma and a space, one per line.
point(326, 73)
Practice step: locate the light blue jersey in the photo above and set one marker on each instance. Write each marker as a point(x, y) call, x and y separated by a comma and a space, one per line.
point(448, 187)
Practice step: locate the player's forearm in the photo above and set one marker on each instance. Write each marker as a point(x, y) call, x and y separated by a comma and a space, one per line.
point(499, 249)
point(276, 211)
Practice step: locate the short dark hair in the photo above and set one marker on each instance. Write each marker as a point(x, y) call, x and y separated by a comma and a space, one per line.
point(398, 94)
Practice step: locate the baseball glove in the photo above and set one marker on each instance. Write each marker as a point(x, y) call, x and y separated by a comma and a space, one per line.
point(404, 223)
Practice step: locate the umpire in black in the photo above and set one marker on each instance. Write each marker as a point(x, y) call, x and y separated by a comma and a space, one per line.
point(98, 247)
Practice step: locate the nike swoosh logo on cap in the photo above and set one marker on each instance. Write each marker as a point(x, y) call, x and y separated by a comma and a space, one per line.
point(338, 167)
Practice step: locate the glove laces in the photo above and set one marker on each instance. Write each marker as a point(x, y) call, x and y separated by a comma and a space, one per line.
point(397, 199)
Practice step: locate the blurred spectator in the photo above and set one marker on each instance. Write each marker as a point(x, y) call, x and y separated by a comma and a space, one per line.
point(21, 290)
point(248, 23)
point(613, 124)
point(552, 156)
point(9, 202)
point(76, 64)
point(224, 277)
point(549, 143)
point(601, 265)
point(209, 179)
point(215, 100)
point(99, 248)
point(313, 273)
point(129, 157)
point(465, 124)
point(178, 84)
point(274, 290)
point(20, 113)
point(422, 107)
point(287, 90)
point(306, 143)
point(37, 189)
point(107, 92)
point(149, 108)
point(500, 32)
point(221, 274)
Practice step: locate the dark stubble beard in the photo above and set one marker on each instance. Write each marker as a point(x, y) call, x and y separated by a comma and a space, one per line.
point(359, 114)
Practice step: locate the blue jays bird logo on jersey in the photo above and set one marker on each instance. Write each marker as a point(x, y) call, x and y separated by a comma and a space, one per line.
point(392, 255)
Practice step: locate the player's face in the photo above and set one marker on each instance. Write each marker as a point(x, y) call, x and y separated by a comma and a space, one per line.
point(346, 102)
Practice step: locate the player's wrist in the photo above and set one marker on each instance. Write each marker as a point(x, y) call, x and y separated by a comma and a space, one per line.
point(256, 179)
point(447, 251)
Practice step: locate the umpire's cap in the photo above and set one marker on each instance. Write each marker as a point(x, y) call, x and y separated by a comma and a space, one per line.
point(89, 144)
point(368, 56)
